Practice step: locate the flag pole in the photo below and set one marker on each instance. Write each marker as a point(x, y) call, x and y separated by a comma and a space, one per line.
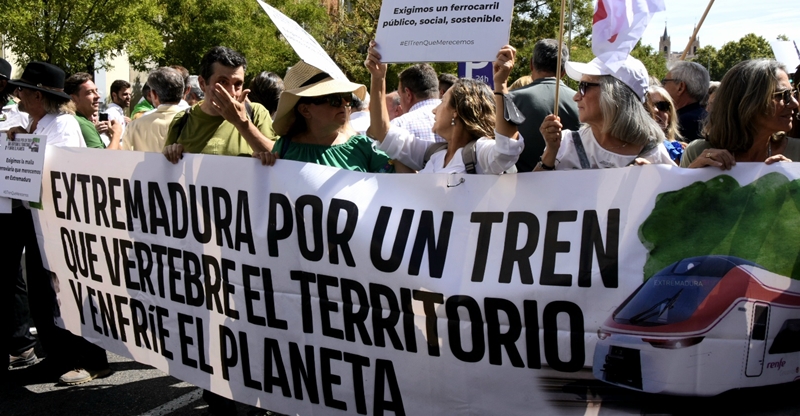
point(697, 29)
point(560, 47)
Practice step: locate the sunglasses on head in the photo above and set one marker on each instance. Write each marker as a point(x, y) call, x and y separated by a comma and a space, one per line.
point(583, 85)
point(785, 95)
point(334, 100)
point(662, 106)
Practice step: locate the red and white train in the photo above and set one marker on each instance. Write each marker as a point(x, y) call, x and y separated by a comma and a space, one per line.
point(702, 326)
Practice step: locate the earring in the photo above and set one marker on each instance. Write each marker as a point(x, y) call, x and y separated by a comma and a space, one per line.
point(453, 121)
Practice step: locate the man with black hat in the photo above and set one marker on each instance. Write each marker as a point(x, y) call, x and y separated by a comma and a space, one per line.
point(10, 115)
point(22, 342)
point(41, 90)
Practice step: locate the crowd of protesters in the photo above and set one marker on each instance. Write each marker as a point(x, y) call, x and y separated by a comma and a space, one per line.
point(431, 123)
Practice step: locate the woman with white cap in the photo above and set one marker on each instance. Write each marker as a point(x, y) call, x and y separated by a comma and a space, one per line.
point(617, 129)
point(313, 122)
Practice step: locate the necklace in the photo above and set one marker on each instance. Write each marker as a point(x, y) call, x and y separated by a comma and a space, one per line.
point(617, 147)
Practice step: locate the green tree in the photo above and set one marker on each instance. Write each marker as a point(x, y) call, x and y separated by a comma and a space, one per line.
point(750, 46)
point(651, 58)
point(707, 56)
point(191, 27)
point(539, 19)
point(77, 35)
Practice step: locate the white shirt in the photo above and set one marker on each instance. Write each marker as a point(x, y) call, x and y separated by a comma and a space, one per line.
point(419, 120)
point(62, 130)
point(148, 132)
point(360, 121)
point(12, 117)
point(567, 157)
point(491, 156)
point(115, 112)
point(182, 105)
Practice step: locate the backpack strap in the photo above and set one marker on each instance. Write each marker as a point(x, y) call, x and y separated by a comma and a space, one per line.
point(249, 109)
point(468, 156)
point(182, 122)
point(432, 148)
point(576, 140)
point(646, 149)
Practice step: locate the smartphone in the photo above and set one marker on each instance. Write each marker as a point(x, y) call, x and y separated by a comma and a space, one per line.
point(103, 117)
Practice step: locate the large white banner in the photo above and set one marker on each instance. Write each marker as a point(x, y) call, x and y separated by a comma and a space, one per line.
point(311, 290)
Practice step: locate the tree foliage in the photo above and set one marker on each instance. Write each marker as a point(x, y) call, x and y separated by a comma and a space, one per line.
point(73, 34)
point(539, 19)
point(191, 27)
point(719, 62)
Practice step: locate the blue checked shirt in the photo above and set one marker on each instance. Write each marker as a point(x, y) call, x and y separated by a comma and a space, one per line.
point(419, 120)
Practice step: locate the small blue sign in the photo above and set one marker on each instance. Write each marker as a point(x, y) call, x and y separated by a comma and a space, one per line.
point(477, 70)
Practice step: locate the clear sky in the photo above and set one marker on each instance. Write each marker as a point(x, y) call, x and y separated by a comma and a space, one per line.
point(728, 20)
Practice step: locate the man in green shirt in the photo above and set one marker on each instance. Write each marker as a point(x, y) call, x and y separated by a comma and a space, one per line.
point(221, 124)
point(144, 105)
point(86, 98)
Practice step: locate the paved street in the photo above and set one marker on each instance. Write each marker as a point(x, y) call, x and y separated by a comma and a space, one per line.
point(135, 389)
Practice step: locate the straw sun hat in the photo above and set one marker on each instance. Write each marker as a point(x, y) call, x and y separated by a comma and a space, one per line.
point(304, 80)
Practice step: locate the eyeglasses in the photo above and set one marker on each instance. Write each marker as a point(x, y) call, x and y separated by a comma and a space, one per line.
point(666, 80)
point(334, 100)
point(663, 106)
point(583, 85)
point(786, 95)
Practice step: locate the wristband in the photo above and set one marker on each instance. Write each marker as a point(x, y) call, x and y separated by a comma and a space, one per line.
point(545, 167)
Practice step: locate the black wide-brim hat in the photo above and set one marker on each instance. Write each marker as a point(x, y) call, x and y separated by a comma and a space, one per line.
point(44, 77)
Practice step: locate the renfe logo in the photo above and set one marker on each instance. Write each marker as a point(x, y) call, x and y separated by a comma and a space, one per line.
point(776, 364)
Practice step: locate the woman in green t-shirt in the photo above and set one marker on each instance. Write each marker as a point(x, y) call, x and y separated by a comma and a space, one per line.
point(313, 122)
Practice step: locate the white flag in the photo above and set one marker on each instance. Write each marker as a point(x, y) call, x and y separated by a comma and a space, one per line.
point(618, 25)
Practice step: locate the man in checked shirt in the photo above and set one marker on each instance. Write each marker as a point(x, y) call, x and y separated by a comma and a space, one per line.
point(419, 95)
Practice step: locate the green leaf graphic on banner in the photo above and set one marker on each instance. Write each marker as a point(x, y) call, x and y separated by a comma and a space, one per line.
point(759, 222)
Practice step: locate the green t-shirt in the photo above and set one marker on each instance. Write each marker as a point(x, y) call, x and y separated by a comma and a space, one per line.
point(212, 135)
point(89, 132)
point(358, 153)
point(141, 106)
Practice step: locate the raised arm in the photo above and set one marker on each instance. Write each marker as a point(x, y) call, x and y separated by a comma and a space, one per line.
point(378, 113)
point(502, 69)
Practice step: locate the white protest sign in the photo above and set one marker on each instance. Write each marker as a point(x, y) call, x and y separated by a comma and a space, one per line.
point(785, 52)
point(5, 205)
point(307, 48)
point(21, 163)
point(443, 30)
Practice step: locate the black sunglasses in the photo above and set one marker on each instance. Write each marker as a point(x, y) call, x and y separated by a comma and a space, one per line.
point(583, 85)
point(334, 100)
point(662, 106)
point(785, 95)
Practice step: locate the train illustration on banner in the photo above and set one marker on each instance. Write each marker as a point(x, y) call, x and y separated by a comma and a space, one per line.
point(703, 326)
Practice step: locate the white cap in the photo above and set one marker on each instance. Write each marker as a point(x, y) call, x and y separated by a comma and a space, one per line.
point(631, 72)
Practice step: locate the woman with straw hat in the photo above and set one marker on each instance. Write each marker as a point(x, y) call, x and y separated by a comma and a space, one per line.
point(465, 115)
point(313, 122)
